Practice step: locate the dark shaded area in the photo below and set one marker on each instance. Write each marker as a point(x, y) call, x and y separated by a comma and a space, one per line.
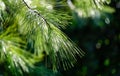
point(101, 44)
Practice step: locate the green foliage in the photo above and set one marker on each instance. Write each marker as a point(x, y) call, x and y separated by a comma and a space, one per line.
point(31, 34)
point(90, 8)
point(96, 10)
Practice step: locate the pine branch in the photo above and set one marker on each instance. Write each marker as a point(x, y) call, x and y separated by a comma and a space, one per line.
point(46, 38)
point(35, 11)
point(53, 41)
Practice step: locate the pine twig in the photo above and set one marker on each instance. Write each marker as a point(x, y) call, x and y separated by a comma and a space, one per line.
point(35, 11)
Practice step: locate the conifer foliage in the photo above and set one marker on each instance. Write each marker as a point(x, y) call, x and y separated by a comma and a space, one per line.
point(30, 32)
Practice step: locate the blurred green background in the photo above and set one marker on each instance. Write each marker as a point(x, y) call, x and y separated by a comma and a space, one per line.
point(99, 37)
